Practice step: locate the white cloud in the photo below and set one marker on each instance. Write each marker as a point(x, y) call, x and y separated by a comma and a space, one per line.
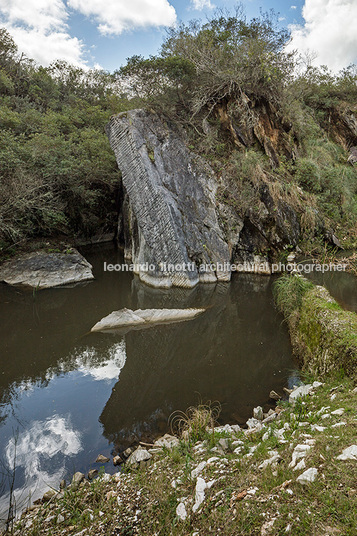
point(40, 452)
point(116, 16)
point(108, 369)
point(329, 32)
point(202, 4)
point(293, 7)
point(46, 47)
point(39, 28)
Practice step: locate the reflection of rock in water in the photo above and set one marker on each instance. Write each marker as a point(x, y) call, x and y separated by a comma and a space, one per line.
point(233, 354)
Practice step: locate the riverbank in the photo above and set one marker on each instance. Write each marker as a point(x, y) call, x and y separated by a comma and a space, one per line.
point(293, 472)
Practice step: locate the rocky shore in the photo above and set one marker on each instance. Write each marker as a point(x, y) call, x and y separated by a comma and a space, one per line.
point(289, 471)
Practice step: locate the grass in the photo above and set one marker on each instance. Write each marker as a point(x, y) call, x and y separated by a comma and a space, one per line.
point(143, 501)
point(324, 336)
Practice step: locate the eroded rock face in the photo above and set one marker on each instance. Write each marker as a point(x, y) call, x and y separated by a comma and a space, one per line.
point(169, 204)
point(44, 270)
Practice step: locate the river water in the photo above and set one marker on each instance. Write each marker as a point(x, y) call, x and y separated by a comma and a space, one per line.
point(67, 395)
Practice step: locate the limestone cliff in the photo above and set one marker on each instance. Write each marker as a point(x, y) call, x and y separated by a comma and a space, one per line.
point(169, 204)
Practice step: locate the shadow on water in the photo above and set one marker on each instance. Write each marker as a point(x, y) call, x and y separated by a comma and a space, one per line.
point(70, 394)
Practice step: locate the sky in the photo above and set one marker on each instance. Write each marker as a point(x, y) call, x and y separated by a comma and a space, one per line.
point(104, 33)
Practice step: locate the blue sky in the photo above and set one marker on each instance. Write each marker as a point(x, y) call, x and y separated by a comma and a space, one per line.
point(97, 33)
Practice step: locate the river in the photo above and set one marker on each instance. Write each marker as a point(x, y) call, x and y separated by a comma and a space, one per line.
point(67, 395)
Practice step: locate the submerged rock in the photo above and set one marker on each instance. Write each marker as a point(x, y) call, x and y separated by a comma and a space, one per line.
point(102, 459)
point(44, 270)
point(126, 318)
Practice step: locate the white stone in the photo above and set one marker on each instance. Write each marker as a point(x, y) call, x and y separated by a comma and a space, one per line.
point(316, 385)
point(317, 428)
point(181, 511)
point(258, 413)
point(212, 460)
point(300, 466)
point(333, 397)
point(350, 453)
point(307, 476)
point(273, 460)
point(338, 412)
point(139, 455)
point(199, 493)
point(338, 424)
point(195, 472)
point(168, 441)
point(299, 452)
point(253, 423)
point(300, 392)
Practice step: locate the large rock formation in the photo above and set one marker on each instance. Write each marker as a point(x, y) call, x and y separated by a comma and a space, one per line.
point(174, 210)
point(170, 207)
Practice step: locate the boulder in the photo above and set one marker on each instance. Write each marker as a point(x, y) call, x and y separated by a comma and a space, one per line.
point(44, 270)
point(170, 202)
point(126, 318)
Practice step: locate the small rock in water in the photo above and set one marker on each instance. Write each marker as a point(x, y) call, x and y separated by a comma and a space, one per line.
point(128, 451)
point(48, 495)
point(101, 459)
point(92, 473)
point(258, 413)
point(77, 479)
point(350, 453)
point(62, 484)
point(274, 395)
point(307, 476)
point(117, 460)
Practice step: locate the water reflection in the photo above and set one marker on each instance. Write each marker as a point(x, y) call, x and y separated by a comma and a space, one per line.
point(71, 394)
point(38, 454)
point(234, 353)
point(341, 285)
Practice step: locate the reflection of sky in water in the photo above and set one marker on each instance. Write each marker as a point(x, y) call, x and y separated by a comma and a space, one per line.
point(50, 423)
point(39, 454)
point(107, 369)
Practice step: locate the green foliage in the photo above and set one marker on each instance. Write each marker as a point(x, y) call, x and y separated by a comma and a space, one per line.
point(58, 172)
